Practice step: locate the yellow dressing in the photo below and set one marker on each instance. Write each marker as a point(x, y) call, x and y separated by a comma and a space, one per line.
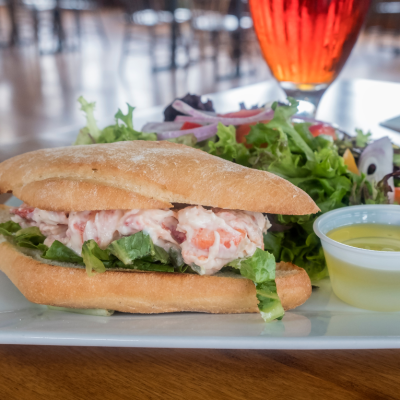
point(376, 237)
point(376, 289)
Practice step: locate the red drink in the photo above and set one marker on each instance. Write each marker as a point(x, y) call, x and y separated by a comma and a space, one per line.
point(307, 42)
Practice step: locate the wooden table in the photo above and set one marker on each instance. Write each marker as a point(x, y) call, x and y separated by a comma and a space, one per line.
point(37, 372)
point(72, 373)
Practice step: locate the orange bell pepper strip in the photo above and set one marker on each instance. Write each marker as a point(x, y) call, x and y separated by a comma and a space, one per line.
point(350, 162)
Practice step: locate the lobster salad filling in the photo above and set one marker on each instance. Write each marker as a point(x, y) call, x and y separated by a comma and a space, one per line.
point(206, 239)
point(185, 239)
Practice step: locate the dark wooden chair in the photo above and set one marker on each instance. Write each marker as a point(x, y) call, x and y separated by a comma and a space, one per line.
point(384, 20)
point(225, 26)
point(80, 7)
point(157, 19)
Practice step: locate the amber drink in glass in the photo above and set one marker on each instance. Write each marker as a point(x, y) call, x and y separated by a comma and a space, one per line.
point(307, 42)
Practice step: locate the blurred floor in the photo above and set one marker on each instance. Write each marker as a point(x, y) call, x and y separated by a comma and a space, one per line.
point(38, 92)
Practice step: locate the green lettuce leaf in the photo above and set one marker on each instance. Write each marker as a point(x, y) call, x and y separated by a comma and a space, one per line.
point(128, 118)
point(120, 133)
point(148, 266)
point(269, 303)
point(97, 312)
point(59, 252)
point(124, 132)
point(31, 238)
point(282, 120)
point(159, 255)
point(260, 268)
point(396, 160)
point(137, 252)
point(97, 251)
point(227, 147)
point(9, 228)
point(362, 139)
point(132, 247)
point(90, 133)
point(90, 254)
point(273, 243)
point(189, 140)
point(176, 257)
point(114, 133)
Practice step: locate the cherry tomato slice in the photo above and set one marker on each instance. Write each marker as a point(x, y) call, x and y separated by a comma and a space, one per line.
point(243, 130)
point(323, 129)
point(397, 194)
point(189, 125)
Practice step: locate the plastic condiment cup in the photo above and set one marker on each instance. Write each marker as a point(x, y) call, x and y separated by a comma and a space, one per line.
point(366, 279)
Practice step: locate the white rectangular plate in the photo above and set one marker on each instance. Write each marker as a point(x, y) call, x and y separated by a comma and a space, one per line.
point(324, 322)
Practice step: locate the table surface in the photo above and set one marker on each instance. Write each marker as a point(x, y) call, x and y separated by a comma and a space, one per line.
point(36, 372)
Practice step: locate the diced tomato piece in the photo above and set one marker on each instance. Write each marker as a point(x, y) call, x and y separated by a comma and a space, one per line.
point(243, 130)
point(397, 194)
point(323, 129)
point(189, 125)
point(241, 113)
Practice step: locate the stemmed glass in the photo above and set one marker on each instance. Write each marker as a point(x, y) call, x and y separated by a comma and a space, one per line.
point(307, 42)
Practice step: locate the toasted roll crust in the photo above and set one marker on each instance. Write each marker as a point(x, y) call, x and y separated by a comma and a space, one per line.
point(76, 195)
point(149, 173)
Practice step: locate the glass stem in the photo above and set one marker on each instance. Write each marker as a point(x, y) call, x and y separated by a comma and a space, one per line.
point(308, 99)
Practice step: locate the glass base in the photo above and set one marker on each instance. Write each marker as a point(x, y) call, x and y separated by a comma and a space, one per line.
point(308, 95)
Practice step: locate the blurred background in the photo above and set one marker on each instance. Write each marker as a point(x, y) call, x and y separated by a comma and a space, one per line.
point(145, 52)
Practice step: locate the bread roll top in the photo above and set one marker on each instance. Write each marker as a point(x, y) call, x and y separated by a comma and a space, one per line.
point(145, 174)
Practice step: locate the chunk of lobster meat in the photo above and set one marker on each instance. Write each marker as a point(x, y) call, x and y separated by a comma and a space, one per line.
point(103, 228)
point(212, 241)
point(160, 225)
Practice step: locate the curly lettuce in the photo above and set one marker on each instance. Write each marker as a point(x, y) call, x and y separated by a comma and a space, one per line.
point(260, 268)
point(121, 131)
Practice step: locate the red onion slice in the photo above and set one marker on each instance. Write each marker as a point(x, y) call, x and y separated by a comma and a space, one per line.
point(202, 133)
point(376, 161)
point(159, 127)
point(199, 117)
point(184, 108)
